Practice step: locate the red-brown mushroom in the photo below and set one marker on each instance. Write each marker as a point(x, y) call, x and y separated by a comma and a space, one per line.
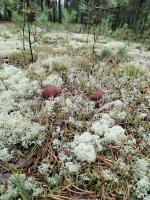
point(98, 94)
point(50, 91)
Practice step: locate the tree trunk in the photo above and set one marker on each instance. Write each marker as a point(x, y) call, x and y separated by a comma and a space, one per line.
point(59, 11)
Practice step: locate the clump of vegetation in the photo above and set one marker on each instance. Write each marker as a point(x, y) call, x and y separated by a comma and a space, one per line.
point(130, 70)
point(68, 18)
point(121, 54)
point(124, 33)
point(105, 54)
point(22, 58)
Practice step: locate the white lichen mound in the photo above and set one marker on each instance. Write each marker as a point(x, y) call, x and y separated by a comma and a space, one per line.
point(5, 156)
point(49, 105)
point(17, 129)
point(115, 135)
point(99, 129)
point(117, 112)
point(44, 168)
point(108, 175)
point(15, 80)
point(73, 104)
point(85, 146)
point(85, 152)
point(142, 188)
point(141, 167)
point(16, 125)
point(101, 126)
point(53, 80)
point(109, 133)
point(7, 102)
point(72, 167)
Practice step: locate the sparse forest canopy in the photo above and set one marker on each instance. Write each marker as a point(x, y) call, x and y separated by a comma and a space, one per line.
point(132, 14)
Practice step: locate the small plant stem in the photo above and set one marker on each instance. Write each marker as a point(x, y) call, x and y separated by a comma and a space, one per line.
point(23, 28)
point(30, 43)
point(4, 83)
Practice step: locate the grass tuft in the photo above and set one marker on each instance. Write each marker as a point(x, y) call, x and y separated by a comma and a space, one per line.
point(22, 58)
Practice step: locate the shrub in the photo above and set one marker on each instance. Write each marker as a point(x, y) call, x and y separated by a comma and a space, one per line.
point(121, 54)
point(105, 54)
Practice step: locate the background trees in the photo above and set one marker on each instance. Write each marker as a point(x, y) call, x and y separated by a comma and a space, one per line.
point(133, 14)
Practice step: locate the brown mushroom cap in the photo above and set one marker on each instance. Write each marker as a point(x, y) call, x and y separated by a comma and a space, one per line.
point(98, 94)
point(50, 91)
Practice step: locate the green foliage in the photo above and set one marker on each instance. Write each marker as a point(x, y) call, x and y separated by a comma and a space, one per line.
point(124, 33)
point(23, 193)
point(119, 56)
point(68, 17)
point(121, 52)
point(105, 54)
point(42, 18)
point(130, 70)
point(55, 27)
point(116, 2)
point(16, 18)
point(83, 7)
point(105, 24)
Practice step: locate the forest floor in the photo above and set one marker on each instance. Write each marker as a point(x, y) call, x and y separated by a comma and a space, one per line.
point(91, 139)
